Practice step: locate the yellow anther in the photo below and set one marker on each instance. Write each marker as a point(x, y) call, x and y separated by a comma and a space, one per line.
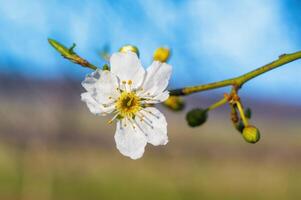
point(130, 82)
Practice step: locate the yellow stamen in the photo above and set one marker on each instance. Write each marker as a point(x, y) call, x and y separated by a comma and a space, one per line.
point(128, 104)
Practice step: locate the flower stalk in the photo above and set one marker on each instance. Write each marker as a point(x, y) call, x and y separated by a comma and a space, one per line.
point(242, 113)
point(218, 104)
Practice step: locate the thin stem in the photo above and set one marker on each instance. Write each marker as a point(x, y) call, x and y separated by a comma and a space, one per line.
point(218, 104)
point(242, 113)
point(240, 80)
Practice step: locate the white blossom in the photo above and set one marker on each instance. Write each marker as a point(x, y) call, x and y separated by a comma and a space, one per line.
point(128, 92)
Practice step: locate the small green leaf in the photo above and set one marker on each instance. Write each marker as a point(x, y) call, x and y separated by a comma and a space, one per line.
point(61, 48)
point(72, 48)
point(69, 54)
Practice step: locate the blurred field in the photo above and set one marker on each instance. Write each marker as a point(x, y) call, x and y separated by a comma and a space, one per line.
point(51, 147)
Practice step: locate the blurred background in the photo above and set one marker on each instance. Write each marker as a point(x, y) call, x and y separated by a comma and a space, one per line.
point(52, 147)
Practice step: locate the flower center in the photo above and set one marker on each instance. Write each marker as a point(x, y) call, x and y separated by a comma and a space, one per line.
point(128, 104)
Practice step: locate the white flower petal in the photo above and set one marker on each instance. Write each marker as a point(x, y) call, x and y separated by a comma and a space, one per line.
point(162, 96)
point(157, 99)
point(127, 66)
point(94, 106)
point(157, 78)
point(129, 141)
point(154, 126)
point(102, 85)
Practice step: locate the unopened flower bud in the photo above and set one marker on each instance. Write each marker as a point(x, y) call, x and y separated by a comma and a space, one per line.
point(251, 134)
point(131, 48)
point(106, 67)
point(174, 103)
point(162, 54)
point(197, 117)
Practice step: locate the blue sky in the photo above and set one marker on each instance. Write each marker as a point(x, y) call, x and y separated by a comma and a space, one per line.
point(210, 39)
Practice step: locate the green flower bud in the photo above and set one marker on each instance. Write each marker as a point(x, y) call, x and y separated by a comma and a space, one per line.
point(251, 134)
point(106, 67)
point(174, 103)
point(196, 117)
point(248, 113)
point(127, 48)
point(162, 54)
